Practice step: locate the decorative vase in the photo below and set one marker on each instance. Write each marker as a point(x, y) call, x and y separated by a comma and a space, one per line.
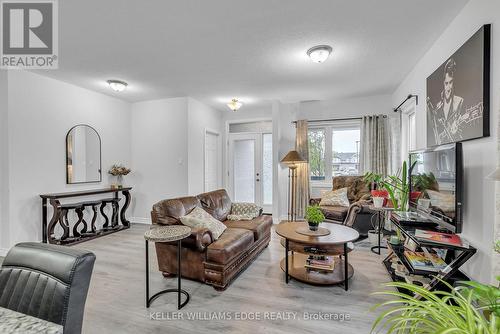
point(313, 226)
point(119, 181)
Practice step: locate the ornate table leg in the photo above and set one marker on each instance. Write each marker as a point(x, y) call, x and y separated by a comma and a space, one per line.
point(94, 219)
point(44, 220)
point(123, 219)
point(114, 217)
point(57, 217)
point(106, 219)
point(81, 220)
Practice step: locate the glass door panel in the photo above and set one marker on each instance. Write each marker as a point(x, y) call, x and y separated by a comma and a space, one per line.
point(244, 170)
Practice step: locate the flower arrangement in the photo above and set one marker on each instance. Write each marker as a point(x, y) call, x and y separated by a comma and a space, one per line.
point(119, 170)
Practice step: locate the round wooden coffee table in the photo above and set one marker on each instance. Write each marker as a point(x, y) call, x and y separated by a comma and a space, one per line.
point(338, 244)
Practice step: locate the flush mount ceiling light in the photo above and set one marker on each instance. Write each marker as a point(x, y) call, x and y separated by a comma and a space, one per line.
point(117, 85)
point(319, 53)
point(234, 105)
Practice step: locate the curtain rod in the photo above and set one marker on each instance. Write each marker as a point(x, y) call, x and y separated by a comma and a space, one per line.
point(409, 97)
point(334, 119)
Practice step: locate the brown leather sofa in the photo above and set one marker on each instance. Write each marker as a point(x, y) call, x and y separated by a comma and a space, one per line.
point(213, 262)
point(357, 215)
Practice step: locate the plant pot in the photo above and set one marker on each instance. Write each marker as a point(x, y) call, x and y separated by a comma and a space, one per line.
point(415, 195)
point(394, 240)
point(373, 237)
point(381, 193)
point(313, 226)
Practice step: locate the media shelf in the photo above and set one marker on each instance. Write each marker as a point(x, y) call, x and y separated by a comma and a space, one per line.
point(456, 256)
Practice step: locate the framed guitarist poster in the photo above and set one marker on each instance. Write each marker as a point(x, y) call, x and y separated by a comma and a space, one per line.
point(458, 93)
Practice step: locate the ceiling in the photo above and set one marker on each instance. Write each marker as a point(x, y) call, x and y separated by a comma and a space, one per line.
point(252, 49)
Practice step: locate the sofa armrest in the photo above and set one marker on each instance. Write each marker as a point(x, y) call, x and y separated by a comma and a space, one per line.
point(362, 206)
point(199, 239)
point(314, 201)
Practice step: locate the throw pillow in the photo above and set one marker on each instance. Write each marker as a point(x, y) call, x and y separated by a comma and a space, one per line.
point(248, 211)
point(200, 218)
point(335, 198)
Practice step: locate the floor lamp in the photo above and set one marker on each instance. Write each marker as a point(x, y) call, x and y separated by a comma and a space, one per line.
point(292, 159)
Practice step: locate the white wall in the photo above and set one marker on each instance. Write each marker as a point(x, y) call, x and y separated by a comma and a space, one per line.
point(480, 155)
point(354, 107)
point(200, 119)
point(159, 144)
point(40, 112)
point(4, 172)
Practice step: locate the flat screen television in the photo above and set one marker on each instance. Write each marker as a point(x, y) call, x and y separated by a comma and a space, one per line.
point(436, 184)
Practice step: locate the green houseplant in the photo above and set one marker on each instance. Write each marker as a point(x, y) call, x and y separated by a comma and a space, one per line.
point(396, 185)
point(314, 217)
point(462, 310)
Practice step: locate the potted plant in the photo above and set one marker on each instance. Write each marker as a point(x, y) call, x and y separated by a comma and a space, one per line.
point(396, 186)
point(119, 171)
point(314, 217)
point(461, 310)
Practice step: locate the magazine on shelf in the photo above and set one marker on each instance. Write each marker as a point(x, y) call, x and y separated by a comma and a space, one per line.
point(425, 261)
point(320, 262)
point(439, 238)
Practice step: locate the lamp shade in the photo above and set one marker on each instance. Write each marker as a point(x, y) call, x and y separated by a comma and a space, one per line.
point(292, 158)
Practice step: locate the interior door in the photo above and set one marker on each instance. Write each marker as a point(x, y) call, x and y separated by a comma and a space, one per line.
point(250, 169)
point(211, 161)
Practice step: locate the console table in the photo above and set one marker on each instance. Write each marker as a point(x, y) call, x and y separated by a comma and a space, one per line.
point(81, 230)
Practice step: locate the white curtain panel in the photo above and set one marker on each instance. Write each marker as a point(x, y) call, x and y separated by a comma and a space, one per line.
point(375, 144)
point(394, 144)
point(302, 147)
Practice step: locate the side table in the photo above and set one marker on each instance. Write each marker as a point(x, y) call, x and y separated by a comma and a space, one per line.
point(381, 216)
point(167, 234)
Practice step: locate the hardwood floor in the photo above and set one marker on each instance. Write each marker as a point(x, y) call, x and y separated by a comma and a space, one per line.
point(116, 303)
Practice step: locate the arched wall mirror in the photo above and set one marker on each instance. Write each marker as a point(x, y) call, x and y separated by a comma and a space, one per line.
point(83, 155)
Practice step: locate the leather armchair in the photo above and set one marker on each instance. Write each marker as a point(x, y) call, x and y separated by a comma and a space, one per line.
point(358, 215)
point(49, 282)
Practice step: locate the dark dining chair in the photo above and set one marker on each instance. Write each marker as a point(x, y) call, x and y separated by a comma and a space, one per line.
point(48, 282)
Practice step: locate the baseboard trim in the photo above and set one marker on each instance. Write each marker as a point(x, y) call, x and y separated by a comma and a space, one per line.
point(140, 220)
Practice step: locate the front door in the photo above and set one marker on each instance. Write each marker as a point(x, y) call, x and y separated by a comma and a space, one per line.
point(250, 168)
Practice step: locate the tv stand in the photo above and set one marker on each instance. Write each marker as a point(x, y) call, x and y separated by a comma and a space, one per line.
point(455, 257)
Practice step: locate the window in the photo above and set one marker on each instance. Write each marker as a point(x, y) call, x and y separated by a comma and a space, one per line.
point(334, 150)
point(316, 138)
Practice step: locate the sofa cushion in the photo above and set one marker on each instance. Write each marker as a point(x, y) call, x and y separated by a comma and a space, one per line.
point(259, 225)
point(217, 203)
point(337, 213)
point(199, 218)
point(169, 212)
point(230, 245)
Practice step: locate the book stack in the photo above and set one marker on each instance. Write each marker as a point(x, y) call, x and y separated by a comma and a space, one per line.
point(320, 263)
point(425, 261)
